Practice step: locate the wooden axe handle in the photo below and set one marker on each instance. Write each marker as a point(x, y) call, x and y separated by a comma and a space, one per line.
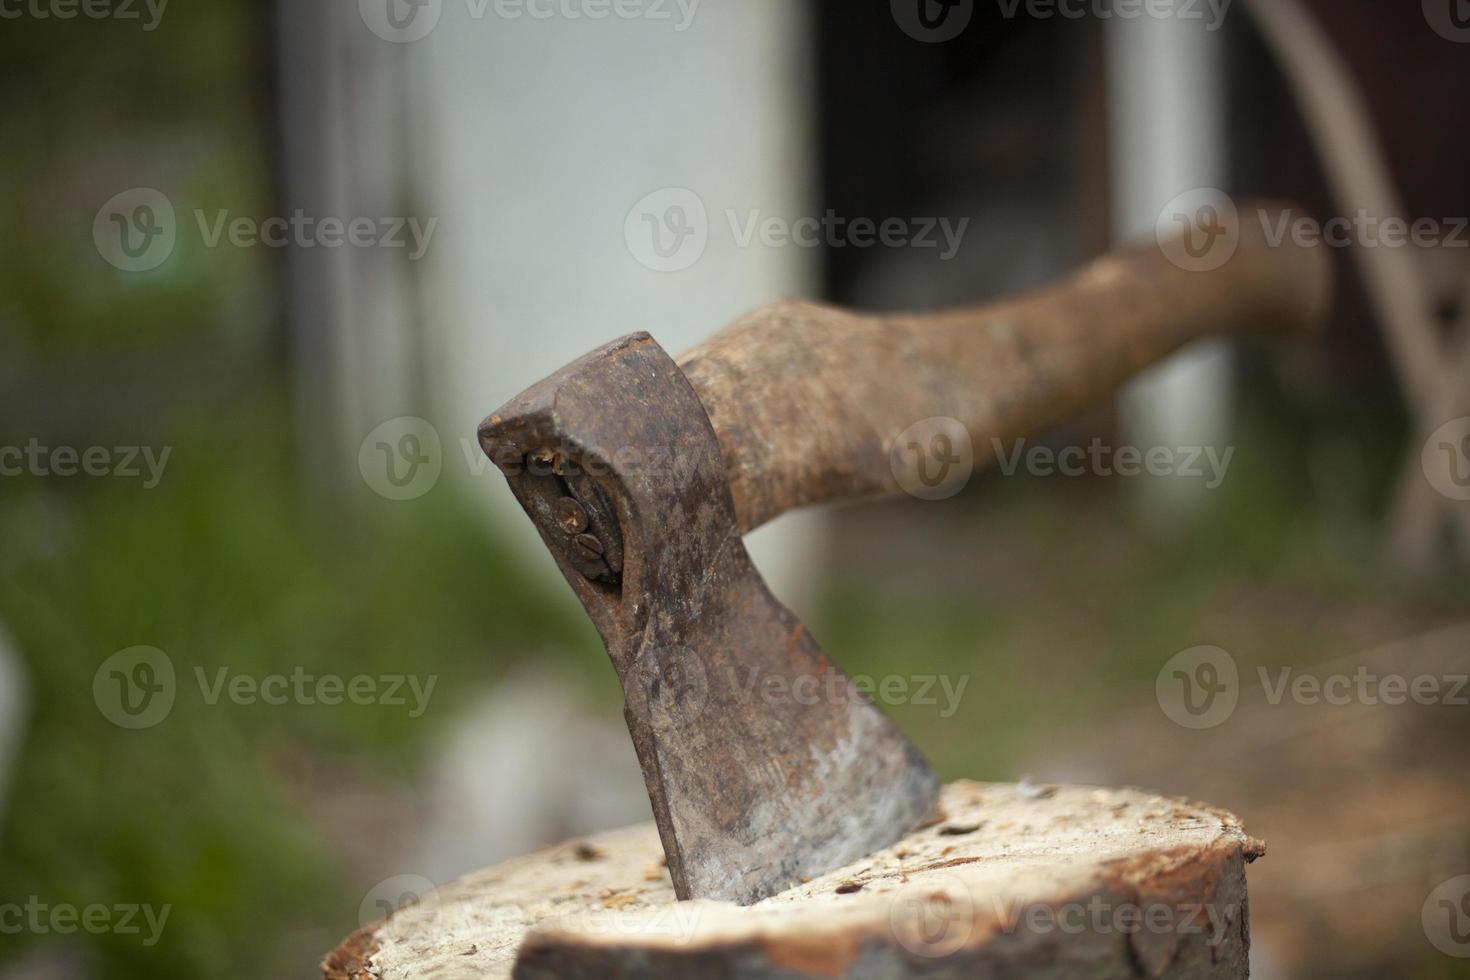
point(808, 399)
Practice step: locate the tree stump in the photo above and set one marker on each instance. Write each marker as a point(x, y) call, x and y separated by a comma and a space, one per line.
point(1021, 880)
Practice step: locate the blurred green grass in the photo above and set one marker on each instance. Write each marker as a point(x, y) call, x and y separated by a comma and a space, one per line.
point(228, 562)
point(226, 565)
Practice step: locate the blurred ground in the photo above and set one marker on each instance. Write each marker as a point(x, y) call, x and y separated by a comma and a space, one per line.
point(1052, 604)
point(1063, 608)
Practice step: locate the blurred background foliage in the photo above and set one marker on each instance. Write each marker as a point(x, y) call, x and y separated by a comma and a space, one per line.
point(219, 812)
point(223, 814)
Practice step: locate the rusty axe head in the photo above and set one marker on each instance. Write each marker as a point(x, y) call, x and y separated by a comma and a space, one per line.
point(764, 763)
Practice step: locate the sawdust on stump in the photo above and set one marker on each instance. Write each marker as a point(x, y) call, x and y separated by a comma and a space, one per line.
point(1036, 881)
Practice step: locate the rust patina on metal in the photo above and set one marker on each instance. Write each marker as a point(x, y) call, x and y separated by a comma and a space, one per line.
point(763, 762)
point(754, 784)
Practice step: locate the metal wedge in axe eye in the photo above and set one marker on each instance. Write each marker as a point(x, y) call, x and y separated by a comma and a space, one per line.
point(642, 473)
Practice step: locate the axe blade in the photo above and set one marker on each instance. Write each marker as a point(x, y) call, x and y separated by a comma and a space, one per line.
point(764, 763)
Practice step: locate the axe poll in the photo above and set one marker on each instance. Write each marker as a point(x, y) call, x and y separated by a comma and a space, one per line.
point(642, 473)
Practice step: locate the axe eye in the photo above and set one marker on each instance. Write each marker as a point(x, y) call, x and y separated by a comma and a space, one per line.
point(574, 515)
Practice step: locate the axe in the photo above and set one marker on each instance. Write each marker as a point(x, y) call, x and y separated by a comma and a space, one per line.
point(764, 764)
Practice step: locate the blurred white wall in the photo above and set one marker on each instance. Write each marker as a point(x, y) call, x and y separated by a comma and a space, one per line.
point(1167, 114)
point(354, 358)
point(524, 132)
point(533, 138)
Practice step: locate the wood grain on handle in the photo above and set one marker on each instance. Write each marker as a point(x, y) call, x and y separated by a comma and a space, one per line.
point(807, 399)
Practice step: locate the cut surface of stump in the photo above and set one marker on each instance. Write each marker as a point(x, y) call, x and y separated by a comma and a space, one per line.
point(1009, 881)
